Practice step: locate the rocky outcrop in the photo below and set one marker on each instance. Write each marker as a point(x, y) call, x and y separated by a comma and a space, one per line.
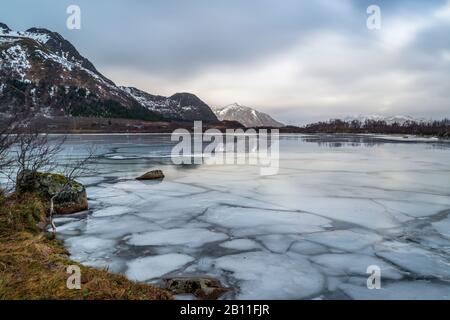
point(72, 196)
point(202, 288)
point(152, 175)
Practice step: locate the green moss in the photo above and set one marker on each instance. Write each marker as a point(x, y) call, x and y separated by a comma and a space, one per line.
point(59, 178)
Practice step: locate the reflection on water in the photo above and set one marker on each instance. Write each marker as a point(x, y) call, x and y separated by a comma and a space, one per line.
point(352, 140)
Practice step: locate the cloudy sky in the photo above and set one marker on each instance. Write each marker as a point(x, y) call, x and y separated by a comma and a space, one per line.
point(298, 60)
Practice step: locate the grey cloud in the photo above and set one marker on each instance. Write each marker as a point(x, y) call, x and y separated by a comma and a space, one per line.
point(185, 37)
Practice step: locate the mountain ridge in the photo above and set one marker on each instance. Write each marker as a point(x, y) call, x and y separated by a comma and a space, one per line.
point(44, 72)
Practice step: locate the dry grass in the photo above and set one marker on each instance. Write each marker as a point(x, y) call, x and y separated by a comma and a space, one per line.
point(32, 266)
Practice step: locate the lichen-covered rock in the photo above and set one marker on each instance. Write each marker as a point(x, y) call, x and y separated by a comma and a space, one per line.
point(202, 288)
point(72, 199)
point(152, 175)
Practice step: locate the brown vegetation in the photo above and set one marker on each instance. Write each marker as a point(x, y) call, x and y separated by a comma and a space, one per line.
point(33, 265)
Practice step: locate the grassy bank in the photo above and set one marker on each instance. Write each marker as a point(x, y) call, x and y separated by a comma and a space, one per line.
point(33, 266)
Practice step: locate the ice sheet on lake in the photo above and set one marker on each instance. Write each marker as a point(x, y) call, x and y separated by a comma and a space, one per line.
point(116, 227)
point(272, 276)
point(308, 248)
point(249, 221)
point(355, 264)
point(112, 211)
point(417, 290)
point(240, 244)
point(443, 227)
point(147, 268)
point(415, 259)
point(337, 205)
point(279, 243)
point(193, 237)
point(345, 240)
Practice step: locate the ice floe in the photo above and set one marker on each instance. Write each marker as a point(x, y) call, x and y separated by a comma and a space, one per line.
point(417, 290)
point(194, 237)
point(415, 259)
point(354, 264)
point(147, 268)
point(443, 227)
point(345, 240)
point(112, 211)
point(263, 275)
point(240, 244)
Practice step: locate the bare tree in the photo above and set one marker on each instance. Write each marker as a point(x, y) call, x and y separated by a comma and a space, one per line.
point(11, 128)
point(34, 151)
point(6, 141)
point(8, 136)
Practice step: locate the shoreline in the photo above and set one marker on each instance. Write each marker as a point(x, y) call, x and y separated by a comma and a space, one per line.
point(393, 137)
point(116, 126)
point(35, 265)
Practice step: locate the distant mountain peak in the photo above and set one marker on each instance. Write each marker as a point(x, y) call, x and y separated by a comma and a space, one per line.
point(247, 116)
point(399, 119)
point(185, 98)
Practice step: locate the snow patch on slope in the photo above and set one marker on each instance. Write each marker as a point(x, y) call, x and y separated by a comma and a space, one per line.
point(39, 37)
point(15, 58)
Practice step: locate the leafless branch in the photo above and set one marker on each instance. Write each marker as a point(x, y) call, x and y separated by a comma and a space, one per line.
point(11, 129)
point(34, 151)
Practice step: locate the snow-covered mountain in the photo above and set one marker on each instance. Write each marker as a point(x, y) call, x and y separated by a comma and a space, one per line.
point(247, 116)
point(43, 72)
point(184, 106)
point(399, 119)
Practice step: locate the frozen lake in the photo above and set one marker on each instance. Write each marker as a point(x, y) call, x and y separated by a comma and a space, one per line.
point(338, 205)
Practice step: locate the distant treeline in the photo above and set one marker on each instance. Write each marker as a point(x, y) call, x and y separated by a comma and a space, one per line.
point(439, 128)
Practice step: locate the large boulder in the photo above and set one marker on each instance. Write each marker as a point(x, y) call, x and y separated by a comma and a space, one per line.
point(152, 175)
point(72, 199)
